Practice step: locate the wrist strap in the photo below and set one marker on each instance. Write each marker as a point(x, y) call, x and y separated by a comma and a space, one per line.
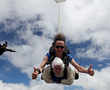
point(38, 70)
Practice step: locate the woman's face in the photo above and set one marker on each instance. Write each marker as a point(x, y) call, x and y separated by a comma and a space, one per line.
point(59, 46)
point(57, 69)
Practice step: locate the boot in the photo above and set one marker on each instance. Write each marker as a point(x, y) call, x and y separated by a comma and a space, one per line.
point(76, 75)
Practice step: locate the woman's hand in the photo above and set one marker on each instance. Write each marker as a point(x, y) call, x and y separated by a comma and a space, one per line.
point(35, 73)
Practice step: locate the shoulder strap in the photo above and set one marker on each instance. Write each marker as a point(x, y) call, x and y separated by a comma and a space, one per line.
point(52, 55)
point(51, 59)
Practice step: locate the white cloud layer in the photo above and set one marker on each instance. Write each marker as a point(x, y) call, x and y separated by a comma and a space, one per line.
point(99, 81)
point(4, 9)
point(81, 20)
point(8, 86)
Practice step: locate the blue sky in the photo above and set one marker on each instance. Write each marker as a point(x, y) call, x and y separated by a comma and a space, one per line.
point(29, 27)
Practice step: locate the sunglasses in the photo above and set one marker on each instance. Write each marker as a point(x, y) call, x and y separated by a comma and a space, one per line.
point(60, 47)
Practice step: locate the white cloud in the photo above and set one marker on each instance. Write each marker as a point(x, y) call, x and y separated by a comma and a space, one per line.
point(29, 8)
point(99, 48)
point(4, 9)
point(6, 86)
point(30, 54)
point(100, 80)
point(88, 15)
point(11, 86)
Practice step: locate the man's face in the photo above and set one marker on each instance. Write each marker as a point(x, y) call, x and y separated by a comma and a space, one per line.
point(59, 46)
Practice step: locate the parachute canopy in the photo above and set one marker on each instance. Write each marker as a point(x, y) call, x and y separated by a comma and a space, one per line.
point(59, 1)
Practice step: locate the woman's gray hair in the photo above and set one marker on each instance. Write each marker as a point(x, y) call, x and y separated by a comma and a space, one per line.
point(58, 61)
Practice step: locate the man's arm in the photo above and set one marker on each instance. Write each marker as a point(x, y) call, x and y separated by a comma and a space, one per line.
point(43, 63)
point(82, 69)
point(10, 50)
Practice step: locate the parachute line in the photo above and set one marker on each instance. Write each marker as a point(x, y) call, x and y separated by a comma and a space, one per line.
point(59, 14)
point(59, 1)
point(59, 19)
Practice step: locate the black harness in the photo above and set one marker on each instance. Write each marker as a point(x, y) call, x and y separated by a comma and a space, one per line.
point(65, 61)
